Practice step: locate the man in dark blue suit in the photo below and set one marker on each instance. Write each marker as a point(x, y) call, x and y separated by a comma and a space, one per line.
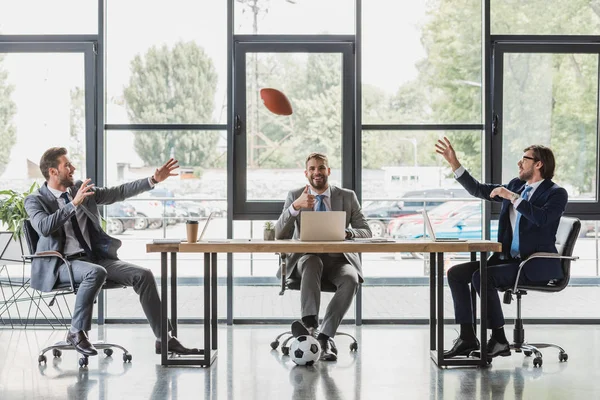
point(531, 209)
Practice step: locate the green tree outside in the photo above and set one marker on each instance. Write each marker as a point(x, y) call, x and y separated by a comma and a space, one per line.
point(173, 86)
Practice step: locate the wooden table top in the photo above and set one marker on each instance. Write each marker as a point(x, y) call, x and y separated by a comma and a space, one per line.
point(295, 246)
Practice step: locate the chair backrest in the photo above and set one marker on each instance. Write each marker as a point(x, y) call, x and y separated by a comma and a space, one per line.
point(31, 236)
point(566, 236)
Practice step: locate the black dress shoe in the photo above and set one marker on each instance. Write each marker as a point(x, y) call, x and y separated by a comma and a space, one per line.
point(175, 346)
point(326, 353)
point(80, 341)
point(299, 329)
point(495, 349)
point(462, 348)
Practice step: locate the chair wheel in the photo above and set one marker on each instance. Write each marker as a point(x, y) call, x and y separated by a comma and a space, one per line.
point(41, 359)
point(56, 352)
point(563, 357)
point(537, 362)
point(126, 357)
point(275, 344)
point(527, 353)
point(353, 346)
point(108, 352)
point(285, 350)
point(83, 362)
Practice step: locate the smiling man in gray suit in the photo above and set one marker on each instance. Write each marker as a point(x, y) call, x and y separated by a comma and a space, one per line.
point(342, 269)
point(65, 215)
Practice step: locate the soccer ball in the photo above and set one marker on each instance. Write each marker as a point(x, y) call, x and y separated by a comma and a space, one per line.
point(305, 350)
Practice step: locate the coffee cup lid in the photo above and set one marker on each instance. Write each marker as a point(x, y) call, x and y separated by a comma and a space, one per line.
point(191, 222)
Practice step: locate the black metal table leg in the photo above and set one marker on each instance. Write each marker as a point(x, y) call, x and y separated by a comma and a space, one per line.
point(174, 294)
point(432, 302)
point(207, 308)
point(164, 317)
point(483, 297)
point(214, 301)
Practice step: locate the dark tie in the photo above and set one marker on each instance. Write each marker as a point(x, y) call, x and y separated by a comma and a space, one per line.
point(321, 202)
point(77, 229)
point(514, 247)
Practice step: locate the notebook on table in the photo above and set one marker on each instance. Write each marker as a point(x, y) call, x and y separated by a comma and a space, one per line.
point(322, 225)
point(431, 232)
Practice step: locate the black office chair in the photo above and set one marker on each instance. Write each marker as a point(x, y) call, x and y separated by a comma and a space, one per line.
point(62, 289)
point(293, 283)
point(568, 231)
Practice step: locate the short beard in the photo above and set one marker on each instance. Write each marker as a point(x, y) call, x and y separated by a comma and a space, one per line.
point(526, 175)
point(66, 182)
point(323, 185)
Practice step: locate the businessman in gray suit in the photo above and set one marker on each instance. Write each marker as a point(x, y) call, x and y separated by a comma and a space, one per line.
point(342, 269)
point(65, 215)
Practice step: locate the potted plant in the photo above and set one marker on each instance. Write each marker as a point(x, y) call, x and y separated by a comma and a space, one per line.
point(12, 209)
point(269, 232)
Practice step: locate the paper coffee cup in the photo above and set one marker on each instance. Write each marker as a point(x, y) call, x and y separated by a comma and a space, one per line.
point(191, 228)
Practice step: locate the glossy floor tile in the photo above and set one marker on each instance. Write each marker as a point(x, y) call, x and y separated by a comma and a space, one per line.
point(392, 362)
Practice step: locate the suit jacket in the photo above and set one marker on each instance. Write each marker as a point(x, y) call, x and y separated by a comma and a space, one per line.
point(48, 220)
point(540, 216)
point(288, 226)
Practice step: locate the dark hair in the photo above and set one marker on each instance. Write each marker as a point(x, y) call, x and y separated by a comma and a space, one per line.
point(545, 155)
point(318, 156)
point(50, 160)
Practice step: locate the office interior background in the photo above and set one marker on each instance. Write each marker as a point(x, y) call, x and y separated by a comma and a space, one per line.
point(124, 85)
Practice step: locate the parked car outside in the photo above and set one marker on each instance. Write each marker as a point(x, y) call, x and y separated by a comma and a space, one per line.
point(464, 225)
point(152, 213)
point(195, 211)
point(437, 214)
point(380, 213)
point(120, 217)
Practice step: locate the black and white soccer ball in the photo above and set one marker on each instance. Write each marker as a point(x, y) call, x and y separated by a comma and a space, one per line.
point(305, 350)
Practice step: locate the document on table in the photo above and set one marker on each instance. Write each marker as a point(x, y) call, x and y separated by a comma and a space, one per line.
point(372, 240)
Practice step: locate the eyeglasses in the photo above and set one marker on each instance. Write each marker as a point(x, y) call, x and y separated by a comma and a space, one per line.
point(528, 158)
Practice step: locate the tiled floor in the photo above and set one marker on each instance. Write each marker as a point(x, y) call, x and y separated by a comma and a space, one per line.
point(392, 363)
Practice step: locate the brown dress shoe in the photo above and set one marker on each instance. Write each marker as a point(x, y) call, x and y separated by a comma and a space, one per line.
point(175, 346)
point(80, 341)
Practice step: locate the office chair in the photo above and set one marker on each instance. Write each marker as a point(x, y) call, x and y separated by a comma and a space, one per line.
point(62, 289)
point(293, 283)
point(568, 231)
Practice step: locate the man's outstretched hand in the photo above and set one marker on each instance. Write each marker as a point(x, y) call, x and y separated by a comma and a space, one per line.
point(166, 170)
point(444, 147)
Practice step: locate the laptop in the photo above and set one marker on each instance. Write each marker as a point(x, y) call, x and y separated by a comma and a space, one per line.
point(177, 241)
point(322, 226)
point(205, 226)
point(431, 232)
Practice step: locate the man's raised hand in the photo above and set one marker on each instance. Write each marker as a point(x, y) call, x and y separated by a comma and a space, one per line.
point(84, 191)
point(166, 170)
point(444, 147)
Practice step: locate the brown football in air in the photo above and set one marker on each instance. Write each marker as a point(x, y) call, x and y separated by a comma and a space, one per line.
point(275, 101)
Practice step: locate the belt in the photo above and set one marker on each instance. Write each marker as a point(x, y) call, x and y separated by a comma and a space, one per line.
point(75, 256)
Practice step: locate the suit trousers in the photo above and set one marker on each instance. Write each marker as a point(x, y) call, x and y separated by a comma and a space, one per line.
point(501, 274)
point(91, 276)
point(336, 269)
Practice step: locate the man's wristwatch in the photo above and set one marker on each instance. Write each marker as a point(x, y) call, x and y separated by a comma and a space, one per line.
point(514, 197)
point(154, 181)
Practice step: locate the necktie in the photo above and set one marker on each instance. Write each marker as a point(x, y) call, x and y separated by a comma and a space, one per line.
point(514, 247)
point(320, 202)
point(77, 229)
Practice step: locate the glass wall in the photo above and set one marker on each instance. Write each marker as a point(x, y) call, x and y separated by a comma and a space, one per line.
point(166, 95)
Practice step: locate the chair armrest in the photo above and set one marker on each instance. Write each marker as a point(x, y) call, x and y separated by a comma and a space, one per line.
point(540, 255)
point(50, 253)
point(283, 266)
